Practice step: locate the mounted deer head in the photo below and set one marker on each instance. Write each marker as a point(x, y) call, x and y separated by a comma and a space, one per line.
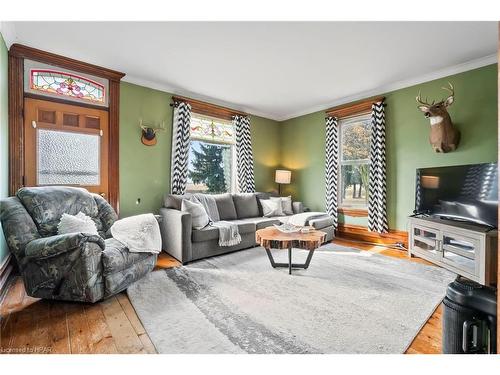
point(148, 135)
point(444, 137)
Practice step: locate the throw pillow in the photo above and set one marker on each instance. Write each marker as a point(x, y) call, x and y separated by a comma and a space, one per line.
point(271, 207)
point(199, 216)
point(79, 223)
point(246, 205)
point(286, 204)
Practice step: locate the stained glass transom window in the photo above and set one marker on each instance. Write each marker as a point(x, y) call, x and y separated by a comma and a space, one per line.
point(212, 129)
point(66, 84)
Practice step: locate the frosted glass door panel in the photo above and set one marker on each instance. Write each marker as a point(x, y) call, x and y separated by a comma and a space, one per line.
point(67, 158)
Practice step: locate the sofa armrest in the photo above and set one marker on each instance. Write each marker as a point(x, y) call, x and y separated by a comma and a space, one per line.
point(62, 243)
point(297, 207)
point(176, 230)
point(65, 267)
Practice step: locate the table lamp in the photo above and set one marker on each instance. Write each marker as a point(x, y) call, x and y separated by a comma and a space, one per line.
point(282, 177)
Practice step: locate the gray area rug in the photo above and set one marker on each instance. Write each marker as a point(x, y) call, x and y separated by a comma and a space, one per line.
point(348, 301)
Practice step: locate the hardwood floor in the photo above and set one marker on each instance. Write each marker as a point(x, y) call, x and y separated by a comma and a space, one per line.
point(30, 325)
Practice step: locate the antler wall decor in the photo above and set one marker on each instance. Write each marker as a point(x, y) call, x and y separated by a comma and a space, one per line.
point(148, 133)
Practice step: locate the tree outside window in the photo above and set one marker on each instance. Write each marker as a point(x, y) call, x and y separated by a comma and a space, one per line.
point(211, 165)
point(354, 161)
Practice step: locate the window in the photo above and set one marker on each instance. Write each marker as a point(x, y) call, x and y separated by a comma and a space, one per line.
point(354, 161)
point(66, 85)
point(212, 156)
point(67, 158)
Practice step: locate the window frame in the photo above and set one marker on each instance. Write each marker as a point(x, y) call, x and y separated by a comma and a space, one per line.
point(231, 144)
point(349, 209)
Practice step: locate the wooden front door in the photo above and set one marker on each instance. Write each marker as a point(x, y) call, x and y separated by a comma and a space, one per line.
point(65, 145)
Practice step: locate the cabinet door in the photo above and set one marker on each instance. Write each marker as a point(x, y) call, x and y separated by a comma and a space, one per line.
point(461, 252)
point(426, 240)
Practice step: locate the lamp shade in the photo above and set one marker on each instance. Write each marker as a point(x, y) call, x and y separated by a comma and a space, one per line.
point(282, 176)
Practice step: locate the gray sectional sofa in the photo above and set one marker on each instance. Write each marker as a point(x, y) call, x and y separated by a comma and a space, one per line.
point(187, 244)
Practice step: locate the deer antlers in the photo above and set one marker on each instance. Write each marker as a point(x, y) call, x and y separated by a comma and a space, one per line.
point(450, 89)
point(145, 127)
point(421, 102)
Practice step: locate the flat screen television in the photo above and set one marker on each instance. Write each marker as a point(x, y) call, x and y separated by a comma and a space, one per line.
point(462, 192)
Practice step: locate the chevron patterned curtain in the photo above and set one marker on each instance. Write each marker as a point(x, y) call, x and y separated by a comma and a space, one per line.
point(332, 167)
point(180, 147)
point(377, 212)
point(244, 155)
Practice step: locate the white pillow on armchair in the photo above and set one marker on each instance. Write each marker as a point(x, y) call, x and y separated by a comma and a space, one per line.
point(79, 223)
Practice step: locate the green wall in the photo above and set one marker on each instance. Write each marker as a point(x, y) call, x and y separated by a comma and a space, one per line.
point(145, 171)
point(474, 113)
point(4, 134)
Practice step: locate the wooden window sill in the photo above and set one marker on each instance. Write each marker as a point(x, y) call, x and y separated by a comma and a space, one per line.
point(356, 212)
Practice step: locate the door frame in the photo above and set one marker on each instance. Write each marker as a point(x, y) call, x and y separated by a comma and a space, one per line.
point(17, 54)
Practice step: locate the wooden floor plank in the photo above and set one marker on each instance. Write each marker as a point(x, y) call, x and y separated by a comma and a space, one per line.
point(167, 261)
point(23, 330)
point(101, 339)
point(122, 330)
point(6, 332)
point(59, 329)
point(41, 341)
point(130, 313)
point(147, 343)
point(78, 328)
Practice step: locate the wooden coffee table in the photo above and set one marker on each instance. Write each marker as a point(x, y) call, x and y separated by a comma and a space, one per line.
point(271, 238)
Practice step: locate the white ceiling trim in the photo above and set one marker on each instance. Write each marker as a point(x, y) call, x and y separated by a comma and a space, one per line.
point(441, 73)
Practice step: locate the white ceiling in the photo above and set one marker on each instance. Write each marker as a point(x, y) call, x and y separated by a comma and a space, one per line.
point(277, 70)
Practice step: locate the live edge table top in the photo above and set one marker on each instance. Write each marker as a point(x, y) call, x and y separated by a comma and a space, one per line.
point(272, 238)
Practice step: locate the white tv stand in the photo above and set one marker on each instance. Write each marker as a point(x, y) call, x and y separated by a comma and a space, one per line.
point(466, 249)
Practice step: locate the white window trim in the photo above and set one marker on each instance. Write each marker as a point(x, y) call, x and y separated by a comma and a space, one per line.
point(343, 123)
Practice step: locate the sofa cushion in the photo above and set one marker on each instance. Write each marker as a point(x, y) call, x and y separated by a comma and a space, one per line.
point(46, 204)
point(260, 222)
point(246, 205)
point(174, 200)
point(116, 257)
point(321, 222)
point(212, 233)
point(225, 205)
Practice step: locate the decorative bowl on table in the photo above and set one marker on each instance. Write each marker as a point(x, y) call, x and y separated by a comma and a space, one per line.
point(288, 228)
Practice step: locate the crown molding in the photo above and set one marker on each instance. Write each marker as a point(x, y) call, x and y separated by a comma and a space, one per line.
point(451, 70)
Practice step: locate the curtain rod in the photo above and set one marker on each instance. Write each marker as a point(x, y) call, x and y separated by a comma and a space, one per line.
point(207, 107)
point(350, 109)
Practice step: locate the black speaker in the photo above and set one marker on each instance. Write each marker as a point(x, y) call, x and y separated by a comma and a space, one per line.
point(469, 318)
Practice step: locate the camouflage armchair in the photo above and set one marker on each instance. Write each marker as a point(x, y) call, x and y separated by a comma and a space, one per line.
point(73, 266)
